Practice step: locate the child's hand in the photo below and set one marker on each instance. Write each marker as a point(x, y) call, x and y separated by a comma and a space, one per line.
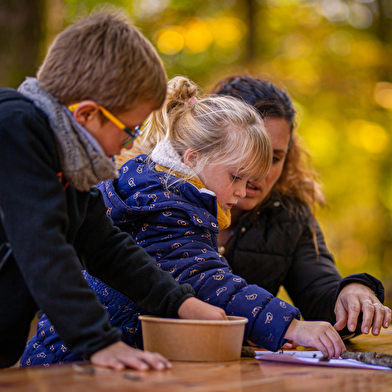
point(119, 356)
point(290, 345)
point(193, 308)
point(318, 334)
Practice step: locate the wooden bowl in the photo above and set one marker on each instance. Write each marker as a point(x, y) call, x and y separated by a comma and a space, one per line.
point(194, 340)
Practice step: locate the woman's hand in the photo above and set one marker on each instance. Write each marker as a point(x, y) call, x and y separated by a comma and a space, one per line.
point(119, 356)
point(193, 308)
point(318, 334)
point(356, 298)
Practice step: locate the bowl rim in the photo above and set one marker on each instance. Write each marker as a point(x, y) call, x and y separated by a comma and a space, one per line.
point(232, 320)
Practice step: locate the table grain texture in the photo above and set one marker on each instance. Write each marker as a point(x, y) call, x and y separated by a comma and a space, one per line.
point(244, 375)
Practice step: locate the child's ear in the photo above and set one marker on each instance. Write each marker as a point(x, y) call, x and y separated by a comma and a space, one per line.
point(190, 157)
point(85, 112)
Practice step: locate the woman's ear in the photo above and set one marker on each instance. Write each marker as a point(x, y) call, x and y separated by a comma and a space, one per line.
point(191, 157)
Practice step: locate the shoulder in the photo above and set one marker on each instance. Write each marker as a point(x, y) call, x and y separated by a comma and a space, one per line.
point(11, 100)
point(138, 173)
point(285, 208)
point(143, 192)
point(280, 222)
point(26, 131)
point(10, 95)
point(141, 184)
point(17, 111)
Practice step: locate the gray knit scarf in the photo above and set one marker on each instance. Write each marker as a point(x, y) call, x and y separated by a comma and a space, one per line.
point(165, 155)
point(83, 161)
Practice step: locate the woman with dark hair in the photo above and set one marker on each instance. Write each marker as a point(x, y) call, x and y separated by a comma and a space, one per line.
point(274, 239)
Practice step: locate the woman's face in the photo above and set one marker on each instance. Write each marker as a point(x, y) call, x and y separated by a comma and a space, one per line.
point(257, 192)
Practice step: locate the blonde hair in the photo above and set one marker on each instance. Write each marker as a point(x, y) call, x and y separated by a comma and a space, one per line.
point(221, 129)
point(104, 58)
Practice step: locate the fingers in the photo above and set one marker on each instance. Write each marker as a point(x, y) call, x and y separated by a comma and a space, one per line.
point(287, 346)
point(387, 317)
point(337, 342)
point(376, 314)
point(367, 315)
point(193, 308)
point(118, 356)
point(341, 316)
point(154, 360)
point(354, 309)
point(331, 344)
point(354, 299)
point(318, 334)
point(221, 314)
point(382, 317)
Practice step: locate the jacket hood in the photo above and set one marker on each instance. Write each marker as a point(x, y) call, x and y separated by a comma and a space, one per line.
point(140, 189)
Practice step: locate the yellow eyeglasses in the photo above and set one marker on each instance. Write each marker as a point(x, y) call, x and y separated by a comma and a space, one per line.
point(132, 133)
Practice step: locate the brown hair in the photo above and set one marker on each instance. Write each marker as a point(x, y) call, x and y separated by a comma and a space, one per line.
point(221, 129)
point(104, 58)
point(298, 179)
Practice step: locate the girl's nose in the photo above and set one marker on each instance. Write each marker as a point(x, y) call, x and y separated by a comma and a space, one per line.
point(241, 191)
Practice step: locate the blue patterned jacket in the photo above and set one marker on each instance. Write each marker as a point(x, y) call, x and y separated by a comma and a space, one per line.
point(177, 224)
point(46, 347)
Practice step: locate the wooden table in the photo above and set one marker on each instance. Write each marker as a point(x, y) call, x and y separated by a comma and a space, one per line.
point(244, 375)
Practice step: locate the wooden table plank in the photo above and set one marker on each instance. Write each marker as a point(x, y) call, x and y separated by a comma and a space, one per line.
point(245, 375)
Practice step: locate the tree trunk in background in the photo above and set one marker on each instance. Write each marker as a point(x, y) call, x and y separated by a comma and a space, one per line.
point(250, 20)
point(22, 31)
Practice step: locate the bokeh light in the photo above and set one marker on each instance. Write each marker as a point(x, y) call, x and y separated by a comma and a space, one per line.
point(198, 37)
point(383, 94)
point(370, 136)
point(339, 43)
point(170, 40)
point(360, 16)
point(335, 10)
point(228, 31)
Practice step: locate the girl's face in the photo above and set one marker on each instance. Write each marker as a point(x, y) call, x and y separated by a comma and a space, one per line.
point(222, 180)
point(257, 192)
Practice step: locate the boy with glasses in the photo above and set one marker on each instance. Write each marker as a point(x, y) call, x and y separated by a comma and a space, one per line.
point(99, 81)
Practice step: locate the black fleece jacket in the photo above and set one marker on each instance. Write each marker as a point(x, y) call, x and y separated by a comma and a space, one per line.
point(274, 246)
point(52, 231)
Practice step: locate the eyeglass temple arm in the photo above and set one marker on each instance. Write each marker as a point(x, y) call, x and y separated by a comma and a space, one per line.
point(107, 114)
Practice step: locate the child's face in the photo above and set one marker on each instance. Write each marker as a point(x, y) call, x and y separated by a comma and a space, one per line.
point(109, 135)
point(222, 180)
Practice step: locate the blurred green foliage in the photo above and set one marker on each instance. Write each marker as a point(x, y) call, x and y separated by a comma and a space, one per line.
point(334, 57)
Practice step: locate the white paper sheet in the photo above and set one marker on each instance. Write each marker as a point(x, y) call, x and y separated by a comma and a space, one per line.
point(312, 358)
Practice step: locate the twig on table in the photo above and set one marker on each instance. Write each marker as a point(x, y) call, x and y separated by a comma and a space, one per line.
point(369, 357)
